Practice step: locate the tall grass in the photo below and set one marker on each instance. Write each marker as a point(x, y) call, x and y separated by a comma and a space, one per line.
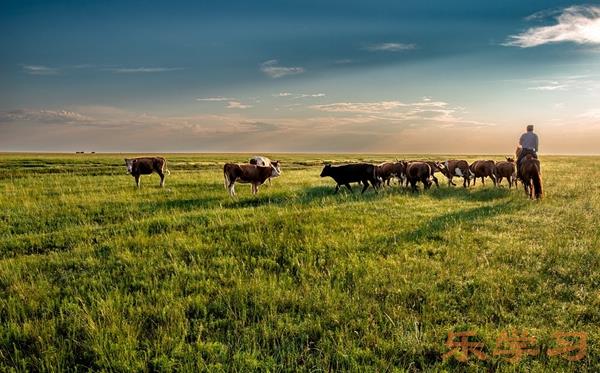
point(95, 274)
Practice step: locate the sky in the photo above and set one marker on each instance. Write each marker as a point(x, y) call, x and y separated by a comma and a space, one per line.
point(299, 76)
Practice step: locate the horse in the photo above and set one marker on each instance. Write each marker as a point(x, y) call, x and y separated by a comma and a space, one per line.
point(530, 173)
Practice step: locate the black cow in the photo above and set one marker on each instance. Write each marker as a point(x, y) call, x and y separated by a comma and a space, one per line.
point(352, 173)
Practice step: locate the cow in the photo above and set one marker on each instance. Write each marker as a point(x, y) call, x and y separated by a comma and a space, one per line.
point(247, 173)
point(459, 168)
point(146, 166)
point(265, 162)
point(418, 171)
point(385, 171)
point(435, 167)
point(483, 169)
point(352, 173)
point(506, 169)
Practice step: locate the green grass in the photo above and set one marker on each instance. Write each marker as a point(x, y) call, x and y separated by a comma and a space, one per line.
point(95, 274)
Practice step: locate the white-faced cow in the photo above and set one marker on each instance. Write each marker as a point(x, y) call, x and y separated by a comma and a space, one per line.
point(506, 169)
point(247, 173)
point(483, 169)
point(146, 166)
point(345, 174)
point(259, 160)
point(460, 168)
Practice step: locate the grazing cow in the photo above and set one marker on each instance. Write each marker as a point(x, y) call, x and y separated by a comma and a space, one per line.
point(506, 169)
point(247, 173)
point(387, 170)
point(483, 169)
point(265, 162)
point(352, 173)
point(418, 171)
point(146, 166)
point(459, 168)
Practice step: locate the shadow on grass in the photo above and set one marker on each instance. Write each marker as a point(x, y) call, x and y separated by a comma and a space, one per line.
point(435, 228)
point(481, 194)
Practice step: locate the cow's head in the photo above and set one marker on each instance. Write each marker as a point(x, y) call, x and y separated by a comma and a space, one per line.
point(510, 159)
point(275, 169)
point(326, 170)
point(277, 165)
point(129, 163)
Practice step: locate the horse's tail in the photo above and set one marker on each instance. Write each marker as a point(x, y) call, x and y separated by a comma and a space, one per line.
point(537, 182)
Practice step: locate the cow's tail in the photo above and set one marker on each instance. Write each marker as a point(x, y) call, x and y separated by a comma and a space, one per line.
point(226, 177)
point(537, 183)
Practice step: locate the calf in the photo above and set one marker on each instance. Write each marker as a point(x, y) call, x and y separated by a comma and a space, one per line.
point(418, 171)
point(247, 173)
point(483, 169)
point(508, 170)
point(459, 168)
point(435, 167)
point(387, 170)
point(352, 173)
point(265, 162)
point(146, 166)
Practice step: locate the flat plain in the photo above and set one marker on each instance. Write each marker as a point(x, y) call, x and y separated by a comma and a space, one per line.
point(96, 274)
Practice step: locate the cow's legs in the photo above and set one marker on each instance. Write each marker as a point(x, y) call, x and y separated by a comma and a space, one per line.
point(413, 185)
point(255, 189)
point(137, 180)
point(162, 179)
point(465, 179)
point(337, 189)
point(435, 180)
point(348, 186)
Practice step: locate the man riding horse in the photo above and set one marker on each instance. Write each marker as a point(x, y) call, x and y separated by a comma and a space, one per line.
point(529, 145)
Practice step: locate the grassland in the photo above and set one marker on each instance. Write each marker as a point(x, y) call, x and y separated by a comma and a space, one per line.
point(95, 274)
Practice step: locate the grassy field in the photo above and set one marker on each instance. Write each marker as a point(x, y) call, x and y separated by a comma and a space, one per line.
point(95, 274)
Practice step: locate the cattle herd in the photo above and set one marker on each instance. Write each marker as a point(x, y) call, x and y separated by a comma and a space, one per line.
point(259, 169)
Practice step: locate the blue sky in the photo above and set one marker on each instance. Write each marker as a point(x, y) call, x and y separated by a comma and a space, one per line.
point(268, 76)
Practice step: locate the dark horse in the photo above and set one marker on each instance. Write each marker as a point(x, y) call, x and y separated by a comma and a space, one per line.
point(531, 176)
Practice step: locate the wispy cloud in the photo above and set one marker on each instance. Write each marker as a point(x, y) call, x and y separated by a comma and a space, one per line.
point(272, 69)
point(577, 24)
point(237, 105)
point(135, 70)
point(299, 95)
point(390, 47)
point(215, 99)
point(424, 111)
point(43, 116)
point(40, 70)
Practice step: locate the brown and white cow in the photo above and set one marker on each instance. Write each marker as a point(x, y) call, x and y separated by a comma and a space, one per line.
point(259, 160)
point(483, 169)
point(506, 169)
point(387, 170)
point(146, 166)
point(247, 173)
point(454, 167)
point(418, 171)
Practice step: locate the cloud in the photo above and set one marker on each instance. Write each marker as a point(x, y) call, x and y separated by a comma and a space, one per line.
point(552, 87)
point(237, 105)
point(390, 47)
point(135, 70)
point(299, 95)
point(259, 126)
point(576, 24)
point(40, 70)
point(43, 116)
point(272, 69)
point(215, 99)
point(426, 111)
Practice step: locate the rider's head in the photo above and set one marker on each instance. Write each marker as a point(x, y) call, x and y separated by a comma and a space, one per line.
point(530, 128)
